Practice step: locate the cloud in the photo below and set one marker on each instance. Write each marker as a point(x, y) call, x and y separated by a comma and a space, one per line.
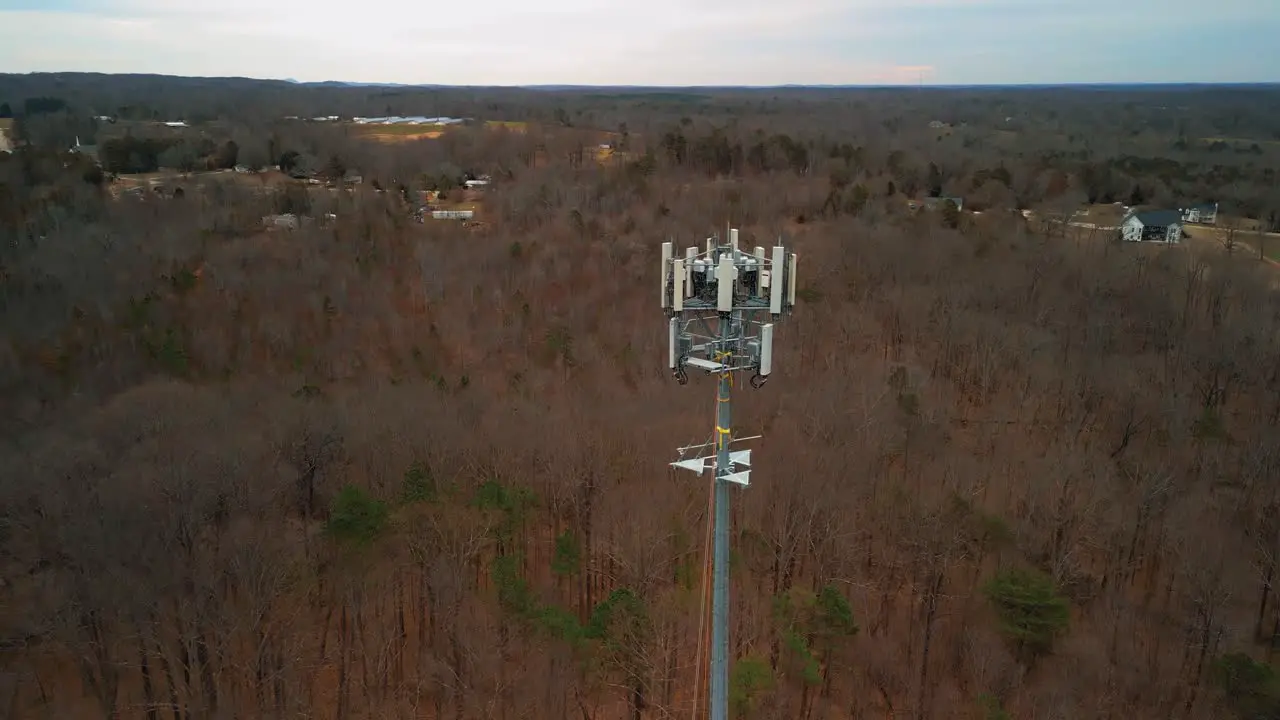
point(671, 42)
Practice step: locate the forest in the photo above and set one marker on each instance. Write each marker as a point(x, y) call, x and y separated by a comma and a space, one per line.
point(385, 467)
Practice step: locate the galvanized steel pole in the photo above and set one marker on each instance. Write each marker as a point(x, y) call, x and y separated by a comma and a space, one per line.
point(720, 571)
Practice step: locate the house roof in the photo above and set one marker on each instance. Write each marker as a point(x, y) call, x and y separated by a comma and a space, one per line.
point(936, 202)
point(1158, 218)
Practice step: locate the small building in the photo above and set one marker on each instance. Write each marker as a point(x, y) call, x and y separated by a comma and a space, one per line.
point(89, 151)
point(473, 184)
point(1201, 214)
point(1164, 226)
point(287, 221)
point(938, 203)
point(452, 214)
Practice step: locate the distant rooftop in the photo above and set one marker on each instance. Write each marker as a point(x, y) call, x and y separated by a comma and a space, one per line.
point(411, 120)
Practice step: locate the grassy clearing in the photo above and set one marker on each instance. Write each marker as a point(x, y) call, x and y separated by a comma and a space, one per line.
point(1240, 141)
point(6, 123)
point(397, 133)
point(1246, 242)
point(513, 125)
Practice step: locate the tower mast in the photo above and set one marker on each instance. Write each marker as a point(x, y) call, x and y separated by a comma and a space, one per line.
point(727, 288)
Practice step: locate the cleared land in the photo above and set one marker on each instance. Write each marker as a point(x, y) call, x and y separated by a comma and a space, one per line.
point(6, 124)
point(1245, 241)
point(516, 125)
point(408, 133)
point(397, 133)
point(1241, 141)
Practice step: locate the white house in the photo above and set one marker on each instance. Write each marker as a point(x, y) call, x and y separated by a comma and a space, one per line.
point(1202, 214)
point(287, 221)
point(1152, 226)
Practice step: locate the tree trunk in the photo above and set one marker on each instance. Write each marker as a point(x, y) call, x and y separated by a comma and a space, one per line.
point(1262, 601)
point(930, 613)
point(342, 662)
point(206, 673)
point(148, 691)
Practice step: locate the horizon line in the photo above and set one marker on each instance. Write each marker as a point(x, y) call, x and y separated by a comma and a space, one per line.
point(632, 86)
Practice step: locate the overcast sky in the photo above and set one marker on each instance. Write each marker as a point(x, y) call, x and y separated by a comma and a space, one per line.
point(653, 42)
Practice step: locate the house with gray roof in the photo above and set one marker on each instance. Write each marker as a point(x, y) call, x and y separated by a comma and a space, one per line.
point(1164, 226)
point(89, 151)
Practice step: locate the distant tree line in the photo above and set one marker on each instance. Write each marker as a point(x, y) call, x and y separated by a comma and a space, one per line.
point(131, 154)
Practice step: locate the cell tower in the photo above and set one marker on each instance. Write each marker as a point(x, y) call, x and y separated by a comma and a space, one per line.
point(716, 300)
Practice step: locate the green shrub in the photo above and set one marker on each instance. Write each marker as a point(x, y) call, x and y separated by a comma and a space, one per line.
point(356, 517)
point(1031, 612)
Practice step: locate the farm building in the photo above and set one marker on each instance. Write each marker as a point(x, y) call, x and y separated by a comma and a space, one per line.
point(1152, 226)
point(399, 120)
point(452, 214)
point(1201, 214)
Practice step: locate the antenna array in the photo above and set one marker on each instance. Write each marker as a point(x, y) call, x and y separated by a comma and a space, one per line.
point(717, 299)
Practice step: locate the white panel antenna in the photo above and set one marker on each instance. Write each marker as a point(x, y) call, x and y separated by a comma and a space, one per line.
point(766, 349)
point(689, 255)
point(673, 333)
point(762, 274)
point(733, 241)
point(666, 265)
point(776, 274)
point(724, 283)
point(791, 281)
point(677, 276)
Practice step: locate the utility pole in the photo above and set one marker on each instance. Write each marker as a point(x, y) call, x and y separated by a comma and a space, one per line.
point(726, 289)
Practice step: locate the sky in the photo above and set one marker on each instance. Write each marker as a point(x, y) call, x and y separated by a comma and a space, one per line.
point(654, 42)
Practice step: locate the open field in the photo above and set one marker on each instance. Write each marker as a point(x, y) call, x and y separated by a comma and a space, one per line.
point(1246, 242)
point(1101, 215)
point(6, 144)
point(515, 125)
point(408, 133)
point(397, 133)
point(1243, 141)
